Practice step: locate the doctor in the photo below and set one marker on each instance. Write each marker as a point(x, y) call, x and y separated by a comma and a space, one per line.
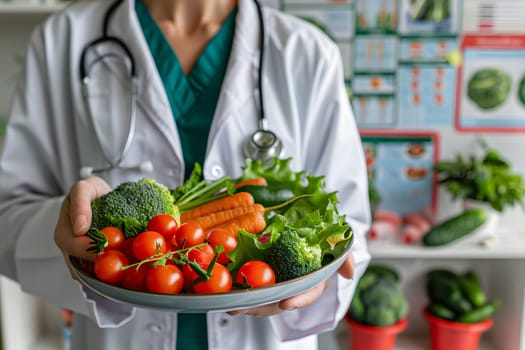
point(195, 94)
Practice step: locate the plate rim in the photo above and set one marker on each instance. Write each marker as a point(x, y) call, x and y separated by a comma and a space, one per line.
point(174, 302)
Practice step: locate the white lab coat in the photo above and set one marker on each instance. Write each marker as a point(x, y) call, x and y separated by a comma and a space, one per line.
point(49, 138)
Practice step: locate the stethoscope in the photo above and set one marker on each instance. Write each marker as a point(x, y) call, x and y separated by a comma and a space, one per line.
point(262, 145)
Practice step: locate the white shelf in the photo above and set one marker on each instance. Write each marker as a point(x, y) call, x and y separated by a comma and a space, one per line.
point(507, 245)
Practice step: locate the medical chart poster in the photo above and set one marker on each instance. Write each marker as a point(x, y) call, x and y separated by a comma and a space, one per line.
point(429, 17)
point(376, 16)
point(491, 84)
point(426, 95)
point(400, 166)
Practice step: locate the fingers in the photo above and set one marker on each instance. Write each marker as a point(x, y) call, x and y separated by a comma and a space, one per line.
point(347, 268)
point(303, 299)
point(75, 218)
point(69, 243)
point(295, 302)
point(81, 196)
point(260, 311)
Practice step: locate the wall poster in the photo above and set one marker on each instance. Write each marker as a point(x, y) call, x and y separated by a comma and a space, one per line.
point(400, 168)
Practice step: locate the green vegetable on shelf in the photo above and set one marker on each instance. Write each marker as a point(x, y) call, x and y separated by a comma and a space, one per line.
point(378, 299)
point(446, 291)
point(489, 87)
point(487, 178)
point(471, 288)
point(458, 297)
point(455, 227)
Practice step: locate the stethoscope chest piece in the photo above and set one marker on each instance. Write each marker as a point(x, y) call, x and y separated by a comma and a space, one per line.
point(263, 145)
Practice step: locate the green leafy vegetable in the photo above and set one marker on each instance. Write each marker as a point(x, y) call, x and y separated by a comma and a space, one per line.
point(300, 237)
point(488, 179)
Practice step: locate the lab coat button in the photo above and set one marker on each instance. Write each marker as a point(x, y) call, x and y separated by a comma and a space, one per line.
point(216, 171)
point(156, 328)
point(224, 322)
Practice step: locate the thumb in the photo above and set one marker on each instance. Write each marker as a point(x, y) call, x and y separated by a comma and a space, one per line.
point(81, 195)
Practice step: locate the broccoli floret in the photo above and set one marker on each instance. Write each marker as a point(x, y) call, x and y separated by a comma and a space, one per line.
point(291, 256)
point(378, 298)
point(129, 207)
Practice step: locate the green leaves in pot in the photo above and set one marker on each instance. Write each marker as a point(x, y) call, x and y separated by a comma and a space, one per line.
point(487, 178)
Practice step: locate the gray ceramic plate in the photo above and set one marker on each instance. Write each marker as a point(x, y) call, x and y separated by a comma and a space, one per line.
point(234, 300)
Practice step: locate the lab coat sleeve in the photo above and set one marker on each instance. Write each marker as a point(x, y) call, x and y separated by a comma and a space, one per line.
point(340, 158)
point(37, 167)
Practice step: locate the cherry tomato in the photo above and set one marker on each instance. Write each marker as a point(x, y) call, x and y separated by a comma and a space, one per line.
point(255, 273)
point(114, 236)
point(189, 276)
point(202, 255)
point(86, 266)
point(127, 249)
point(219, 282)
point(108, 266)
point(135, 279)
point(165, 224)
point(188, 235)
point(222, 237)
point(164, 279)
point(148, 243)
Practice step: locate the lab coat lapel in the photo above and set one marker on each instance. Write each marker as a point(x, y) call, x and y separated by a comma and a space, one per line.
point(151, 97)
point(240, 81)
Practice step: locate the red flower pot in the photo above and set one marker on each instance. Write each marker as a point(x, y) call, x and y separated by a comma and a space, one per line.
point(449, 335)
point(365, 337)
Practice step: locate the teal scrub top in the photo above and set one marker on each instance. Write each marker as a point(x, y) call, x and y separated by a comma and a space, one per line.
point(193, 100)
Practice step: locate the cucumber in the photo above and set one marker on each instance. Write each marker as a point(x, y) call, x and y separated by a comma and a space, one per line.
point(442, 273)
point(455, 227)
point(471, 288)
point(442, 311)
point(269, 195)
point(448, 293)
point(479, 314)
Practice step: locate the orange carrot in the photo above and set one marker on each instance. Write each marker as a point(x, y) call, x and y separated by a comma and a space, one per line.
point(258, 181)
point(252, 222)
point(235, 200)
point(220, 217)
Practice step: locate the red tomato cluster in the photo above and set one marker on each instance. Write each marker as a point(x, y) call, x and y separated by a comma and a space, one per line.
point(164, 259)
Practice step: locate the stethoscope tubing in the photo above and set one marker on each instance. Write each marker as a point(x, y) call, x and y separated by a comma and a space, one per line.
point(253, 148)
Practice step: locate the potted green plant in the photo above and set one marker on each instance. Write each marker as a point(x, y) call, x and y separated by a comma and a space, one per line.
point(487, 178)
point(458, 312)
point(378, 310)
point(482, 181)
